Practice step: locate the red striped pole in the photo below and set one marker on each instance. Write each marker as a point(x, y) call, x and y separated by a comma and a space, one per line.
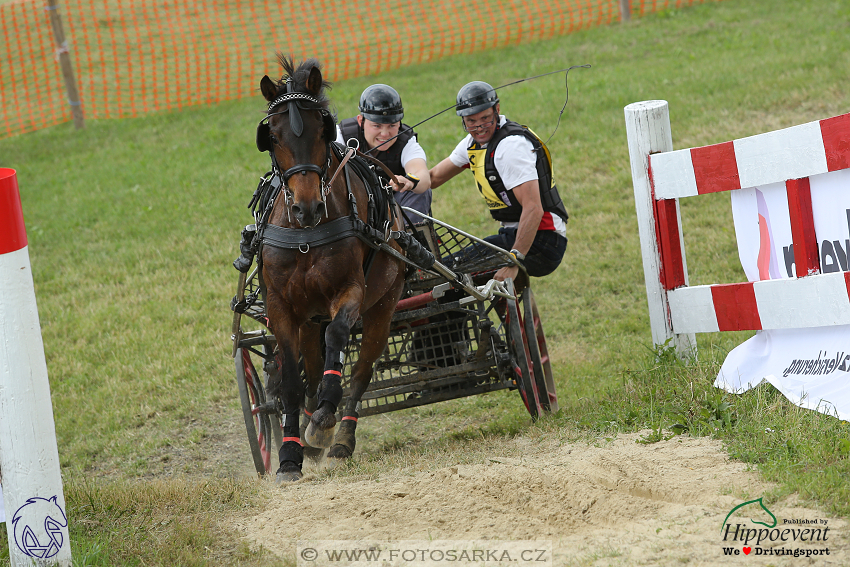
point(36, 523)
point(659, 222)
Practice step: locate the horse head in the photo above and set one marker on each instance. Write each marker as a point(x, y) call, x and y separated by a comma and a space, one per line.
point(297, 131)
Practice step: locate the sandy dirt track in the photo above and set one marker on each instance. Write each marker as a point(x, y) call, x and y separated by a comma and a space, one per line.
point(614, 502)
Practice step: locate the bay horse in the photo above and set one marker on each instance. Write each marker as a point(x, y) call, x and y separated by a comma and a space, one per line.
point(319, 280)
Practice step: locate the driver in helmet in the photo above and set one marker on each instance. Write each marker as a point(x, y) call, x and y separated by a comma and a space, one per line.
point(513, 173)
point(378, 128)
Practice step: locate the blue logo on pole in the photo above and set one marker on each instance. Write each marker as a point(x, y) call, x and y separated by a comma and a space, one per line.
point(38, 527)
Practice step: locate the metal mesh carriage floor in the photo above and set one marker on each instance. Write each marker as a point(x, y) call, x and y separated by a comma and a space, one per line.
point(444, 351)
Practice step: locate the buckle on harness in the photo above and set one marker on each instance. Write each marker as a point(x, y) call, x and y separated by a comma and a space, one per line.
point(304, 250)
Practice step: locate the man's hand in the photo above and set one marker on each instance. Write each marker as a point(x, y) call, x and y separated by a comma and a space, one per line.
point(507, 272)
point(402, 184)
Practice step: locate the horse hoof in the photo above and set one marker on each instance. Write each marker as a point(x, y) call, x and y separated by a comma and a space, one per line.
point(317, 437)
point(339, 452)
point(320, 430)
point(287, 476)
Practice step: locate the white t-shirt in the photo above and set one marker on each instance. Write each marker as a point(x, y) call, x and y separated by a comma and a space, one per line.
point(516, 163)
point(411, 150)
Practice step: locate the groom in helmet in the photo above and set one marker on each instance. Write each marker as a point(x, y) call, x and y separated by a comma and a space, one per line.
point(375, 130)
point(513, 172)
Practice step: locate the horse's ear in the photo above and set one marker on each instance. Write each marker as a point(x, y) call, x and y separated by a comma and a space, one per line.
point(314, 81)
point(268, 88)
point(329, 130)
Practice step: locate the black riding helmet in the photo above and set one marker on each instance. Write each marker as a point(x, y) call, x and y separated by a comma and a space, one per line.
point(474, 97)
point(382, 104)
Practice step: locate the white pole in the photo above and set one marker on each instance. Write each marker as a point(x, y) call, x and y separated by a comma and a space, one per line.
point(648, 132)
point(36, 523)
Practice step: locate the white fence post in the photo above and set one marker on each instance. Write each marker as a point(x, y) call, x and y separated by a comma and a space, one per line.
point(648, 132)
point(36, 523)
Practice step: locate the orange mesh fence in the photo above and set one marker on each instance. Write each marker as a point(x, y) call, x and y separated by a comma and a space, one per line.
point(136, 56)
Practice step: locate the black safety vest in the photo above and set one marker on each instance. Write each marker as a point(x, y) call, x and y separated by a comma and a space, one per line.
point(392, 157)
point(501, 201)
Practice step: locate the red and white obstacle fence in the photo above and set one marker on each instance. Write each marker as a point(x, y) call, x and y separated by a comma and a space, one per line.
point(36, 522)
point(661, 176)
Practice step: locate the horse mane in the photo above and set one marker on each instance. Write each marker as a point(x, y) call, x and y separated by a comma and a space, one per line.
point(299, 75)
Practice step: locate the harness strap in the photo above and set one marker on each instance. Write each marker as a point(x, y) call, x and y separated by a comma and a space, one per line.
point(370, 256)
point(303, 167)
point(344, 227)
point(294, 238)
point(341, 165)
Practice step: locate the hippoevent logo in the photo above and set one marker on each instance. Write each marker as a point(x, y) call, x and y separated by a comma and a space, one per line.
point(773, 538)
point(38, 527)
point(823, 364)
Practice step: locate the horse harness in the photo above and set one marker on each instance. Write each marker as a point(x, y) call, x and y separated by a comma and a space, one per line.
point(381, 213)
point(375, 231)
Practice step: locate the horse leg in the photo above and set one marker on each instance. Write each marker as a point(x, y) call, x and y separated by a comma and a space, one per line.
point(287, 386)
point(376, 329)
point(311, 352)
point(320, 431)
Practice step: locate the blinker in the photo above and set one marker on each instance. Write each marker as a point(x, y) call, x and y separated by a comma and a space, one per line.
point(263, 135)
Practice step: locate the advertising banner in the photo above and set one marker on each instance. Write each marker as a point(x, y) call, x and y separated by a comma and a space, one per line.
point(809, 366)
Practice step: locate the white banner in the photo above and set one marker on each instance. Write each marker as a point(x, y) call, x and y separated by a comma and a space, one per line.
point(810, 367)
point(806, 365)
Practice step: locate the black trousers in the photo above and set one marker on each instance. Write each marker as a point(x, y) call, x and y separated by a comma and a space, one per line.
point(545, 254)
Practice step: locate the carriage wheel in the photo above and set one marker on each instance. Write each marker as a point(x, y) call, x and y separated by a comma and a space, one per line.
point(252, 394)
point(519, 349)
point(539, 353)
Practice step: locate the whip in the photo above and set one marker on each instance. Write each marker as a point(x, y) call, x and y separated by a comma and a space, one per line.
point(566, 100)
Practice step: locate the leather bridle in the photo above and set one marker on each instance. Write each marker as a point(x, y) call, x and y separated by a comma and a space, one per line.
point(297, 126)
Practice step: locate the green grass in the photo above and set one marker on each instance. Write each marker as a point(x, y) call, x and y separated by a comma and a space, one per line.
point(133, 225)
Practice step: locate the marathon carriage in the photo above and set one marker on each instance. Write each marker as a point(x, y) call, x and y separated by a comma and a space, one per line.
point(456, 332)
point(334, 340)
